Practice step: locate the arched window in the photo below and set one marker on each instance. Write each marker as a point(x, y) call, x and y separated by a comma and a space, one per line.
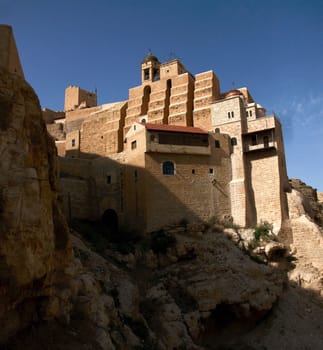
point(145, 100)
point(168, 168)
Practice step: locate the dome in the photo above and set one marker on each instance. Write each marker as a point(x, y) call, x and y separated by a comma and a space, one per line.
point(233, 93)
point(149, 57)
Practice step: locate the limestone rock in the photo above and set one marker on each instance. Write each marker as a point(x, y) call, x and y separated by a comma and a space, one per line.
point(34, 247)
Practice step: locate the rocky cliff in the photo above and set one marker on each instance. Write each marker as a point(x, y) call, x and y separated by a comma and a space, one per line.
point(34, 238)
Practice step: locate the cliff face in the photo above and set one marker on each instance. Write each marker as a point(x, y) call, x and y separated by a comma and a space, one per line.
point(34, 244)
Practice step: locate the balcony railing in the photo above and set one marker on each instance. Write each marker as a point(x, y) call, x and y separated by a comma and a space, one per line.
point(259, 146)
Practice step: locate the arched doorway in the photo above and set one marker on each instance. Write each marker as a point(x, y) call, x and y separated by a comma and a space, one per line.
point(110, 220)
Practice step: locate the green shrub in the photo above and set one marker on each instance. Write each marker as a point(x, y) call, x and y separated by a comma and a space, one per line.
point(263, 230)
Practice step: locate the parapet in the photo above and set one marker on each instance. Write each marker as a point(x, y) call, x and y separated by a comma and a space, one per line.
point(9, 56)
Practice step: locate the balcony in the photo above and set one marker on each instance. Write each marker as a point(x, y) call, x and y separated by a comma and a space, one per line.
point(260, 146)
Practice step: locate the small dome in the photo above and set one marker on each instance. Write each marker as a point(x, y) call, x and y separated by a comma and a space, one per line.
point(149, 57)
point(233, 93)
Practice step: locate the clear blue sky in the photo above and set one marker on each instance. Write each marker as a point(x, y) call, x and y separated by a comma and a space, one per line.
point(275, 48)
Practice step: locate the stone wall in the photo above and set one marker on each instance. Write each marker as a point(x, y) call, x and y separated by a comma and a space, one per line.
point(106, 128)
point(197, 191)
point(265, 196)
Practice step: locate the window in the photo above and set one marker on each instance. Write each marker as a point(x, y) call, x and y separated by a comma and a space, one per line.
point(250, 113)
point(254, 140)
point(134, 144)
point(134, 127)
point(234, 141)
point(193, 171)
point(73, 142)
point(230, 115)
point(266, 141)
point(168, 168)
point(146, 74)
point(247, 114)
point(211, 171)
point(108, 179)
point(217, 144)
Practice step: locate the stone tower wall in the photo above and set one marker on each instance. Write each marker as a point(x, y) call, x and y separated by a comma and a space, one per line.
point(76, 97)
point(207, 90)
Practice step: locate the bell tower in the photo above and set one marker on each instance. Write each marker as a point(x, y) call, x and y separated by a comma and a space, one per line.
point(150, 69)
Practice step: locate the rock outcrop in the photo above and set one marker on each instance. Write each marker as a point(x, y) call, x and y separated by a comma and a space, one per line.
point(310, 200)
point(34, 242)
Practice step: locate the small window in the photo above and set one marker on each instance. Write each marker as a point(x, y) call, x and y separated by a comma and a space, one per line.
point(143, 120)
point(211, 171)
point(229, 115)
point(217, 144)
point(232, 114)
point(134, 127)
point(168, 168)
point(254, 140)
point(193, 171)
point(234, 141)
point(134, 144)
point(146, 74)
point(247, 114)
point(73, 142)
point(135, 174)
point(108, 179)
point(250, 113)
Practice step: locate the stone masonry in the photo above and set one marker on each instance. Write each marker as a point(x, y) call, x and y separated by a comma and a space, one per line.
point(178, 148)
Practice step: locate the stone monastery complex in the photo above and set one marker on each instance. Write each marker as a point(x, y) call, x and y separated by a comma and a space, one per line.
point(178, 148)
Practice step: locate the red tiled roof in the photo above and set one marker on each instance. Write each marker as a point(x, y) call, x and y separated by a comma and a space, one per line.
point(174, 128)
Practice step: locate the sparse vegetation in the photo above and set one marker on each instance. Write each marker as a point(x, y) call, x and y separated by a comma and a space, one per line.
point(263, 231)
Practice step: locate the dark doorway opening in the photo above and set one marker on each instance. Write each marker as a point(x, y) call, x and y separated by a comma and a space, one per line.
point(110, 220)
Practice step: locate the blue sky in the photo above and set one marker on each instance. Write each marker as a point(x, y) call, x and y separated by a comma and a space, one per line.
point(275, 48)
